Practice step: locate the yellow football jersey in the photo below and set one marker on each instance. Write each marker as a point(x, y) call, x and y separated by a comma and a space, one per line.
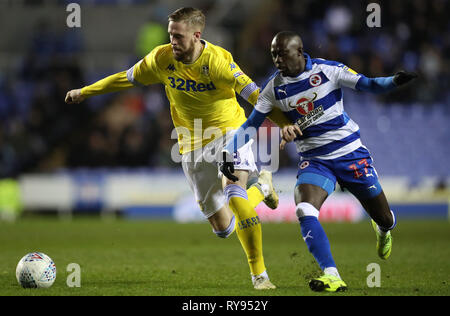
point(201, 95)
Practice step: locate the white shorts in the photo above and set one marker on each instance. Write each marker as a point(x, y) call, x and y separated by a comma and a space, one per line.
point(204, 177)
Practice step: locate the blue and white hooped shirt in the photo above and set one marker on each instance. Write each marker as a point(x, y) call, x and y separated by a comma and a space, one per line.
point(314, 101)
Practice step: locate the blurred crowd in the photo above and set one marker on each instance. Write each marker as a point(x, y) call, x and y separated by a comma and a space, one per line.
point(38, 132)
point(414, 36)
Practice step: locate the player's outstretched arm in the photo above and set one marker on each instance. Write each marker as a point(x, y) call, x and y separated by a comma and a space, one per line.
point(276, 115)
point(279, 118)
point(113, 83)
point(384, 84)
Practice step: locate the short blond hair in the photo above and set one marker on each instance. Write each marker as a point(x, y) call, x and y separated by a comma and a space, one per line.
point(191, 16)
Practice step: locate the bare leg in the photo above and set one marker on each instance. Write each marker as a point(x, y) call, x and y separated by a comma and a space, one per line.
point(379, 210)
point(311, 194)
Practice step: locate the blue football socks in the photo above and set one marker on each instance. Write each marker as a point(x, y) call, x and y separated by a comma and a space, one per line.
point(314, 235)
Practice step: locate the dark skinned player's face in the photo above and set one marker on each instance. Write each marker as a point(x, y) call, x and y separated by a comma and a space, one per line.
point(287, 55)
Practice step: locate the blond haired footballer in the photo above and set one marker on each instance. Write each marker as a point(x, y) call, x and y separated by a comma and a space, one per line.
point(200, 81)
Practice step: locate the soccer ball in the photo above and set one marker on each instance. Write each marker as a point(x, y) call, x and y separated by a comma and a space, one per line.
point(36, 270)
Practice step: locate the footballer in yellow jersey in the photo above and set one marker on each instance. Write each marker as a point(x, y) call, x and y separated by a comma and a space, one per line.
point(204, 89)
point(201, 81)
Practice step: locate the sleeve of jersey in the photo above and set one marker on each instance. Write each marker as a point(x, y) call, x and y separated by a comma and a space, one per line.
point(342, 75)
point(248, 90)
point(242, 83)
point(145, 71)
point(347, 77)
point(265, 105)
point(375, 85)
point(142, 73)
point(109, 84)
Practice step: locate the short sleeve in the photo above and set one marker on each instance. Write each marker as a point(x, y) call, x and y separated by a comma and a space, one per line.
point(266, 100)
point(342, 75)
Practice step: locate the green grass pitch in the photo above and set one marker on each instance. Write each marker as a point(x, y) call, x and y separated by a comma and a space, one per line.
point(163, 258)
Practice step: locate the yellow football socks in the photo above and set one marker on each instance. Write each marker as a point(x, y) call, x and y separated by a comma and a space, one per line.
point(255, 196)
point(248, 225)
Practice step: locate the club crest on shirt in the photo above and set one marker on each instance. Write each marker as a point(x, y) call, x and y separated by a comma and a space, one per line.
point(205, 70)
point(315, 80)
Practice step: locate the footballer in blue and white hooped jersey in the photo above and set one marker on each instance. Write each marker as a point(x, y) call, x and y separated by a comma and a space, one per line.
point(309, 92)
point(314, 101)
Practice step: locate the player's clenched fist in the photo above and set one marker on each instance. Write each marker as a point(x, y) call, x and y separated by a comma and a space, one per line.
point(288, 134)
point(74, 96)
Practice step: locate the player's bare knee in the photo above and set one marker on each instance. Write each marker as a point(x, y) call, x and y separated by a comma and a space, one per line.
point(225, 231)
point(311, 194)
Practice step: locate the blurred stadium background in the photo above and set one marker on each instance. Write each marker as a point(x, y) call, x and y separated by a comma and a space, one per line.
point(111, 154)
